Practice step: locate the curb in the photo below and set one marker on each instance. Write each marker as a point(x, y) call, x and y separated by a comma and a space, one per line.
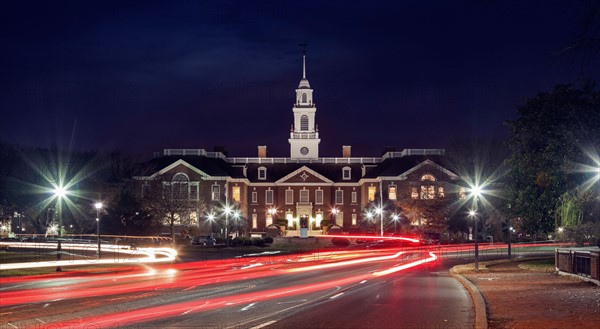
point(481, 321)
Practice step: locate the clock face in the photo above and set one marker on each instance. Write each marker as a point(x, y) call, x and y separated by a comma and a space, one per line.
point(304, 150)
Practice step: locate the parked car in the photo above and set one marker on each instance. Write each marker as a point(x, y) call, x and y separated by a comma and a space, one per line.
point(204, 240)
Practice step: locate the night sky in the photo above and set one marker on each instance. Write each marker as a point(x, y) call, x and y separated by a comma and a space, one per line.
point(141, 76)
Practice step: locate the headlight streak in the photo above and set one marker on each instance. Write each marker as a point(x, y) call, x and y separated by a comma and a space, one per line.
point(345, 263)
point(173, 310)
point(402, 267)
point(166, 255)
point(371, 237)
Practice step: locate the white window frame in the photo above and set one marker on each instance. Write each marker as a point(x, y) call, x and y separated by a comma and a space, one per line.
point(395, 194)
point(194, 196)
point(319, 196)
point(262, 173)
point(289, 196)
point(339, 196)
point(254, 197)
point(346, 173)
point(254, 220)
point(354, 219)
point(269, 195)
point(354, 197)
point(304, 197)
point(215, 192)
point(239, 194)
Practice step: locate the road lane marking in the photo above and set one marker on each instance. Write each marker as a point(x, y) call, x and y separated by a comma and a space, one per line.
point(248, 307)
point(264, 324)
point(336, 296)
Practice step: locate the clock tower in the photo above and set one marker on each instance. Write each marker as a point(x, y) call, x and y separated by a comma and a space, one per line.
point(304, 136)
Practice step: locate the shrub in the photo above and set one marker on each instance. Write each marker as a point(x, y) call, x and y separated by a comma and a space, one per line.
point(259, 242)
point(340, 242)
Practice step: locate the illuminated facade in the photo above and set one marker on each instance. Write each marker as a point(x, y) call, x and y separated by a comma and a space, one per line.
point(304, 189)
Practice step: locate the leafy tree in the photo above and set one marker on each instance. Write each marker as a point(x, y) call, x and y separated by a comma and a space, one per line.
point(552, 133)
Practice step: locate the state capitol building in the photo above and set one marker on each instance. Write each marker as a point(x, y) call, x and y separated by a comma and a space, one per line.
point(304, 188)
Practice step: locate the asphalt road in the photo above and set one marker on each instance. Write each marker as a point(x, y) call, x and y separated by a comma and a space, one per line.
point(337, 290)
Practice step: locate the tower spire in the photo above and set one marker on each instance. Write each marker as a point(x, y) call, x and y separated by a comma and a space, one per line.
point(303, 45)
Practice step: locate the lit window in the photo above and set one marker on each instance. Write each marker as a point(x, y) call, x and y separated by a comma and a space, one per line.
point(339, 197)
point(319, 197)
point(354, 219)
point(392, 192)
point(262, 173)
point(254, 220)
point(215, 192)
point(428, 177)
point(304, 196)
point(235, 193)
point(339, 218)
point(427, 192)
point(354, 197)
point(441, 192)
point(346, 173)
point(462, 194)
point(269, 197)
point(289, 196)
point(304, 122)
point(371, 195)
point(254, 197)
point(414, 193)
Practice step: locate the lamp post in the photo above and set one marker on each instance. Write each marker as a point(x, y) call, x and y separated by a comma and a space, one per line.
point(226, 211)
point(473, 216)
point(98, 206)
point(379, 211)
point(59, 193)
point(395, 217)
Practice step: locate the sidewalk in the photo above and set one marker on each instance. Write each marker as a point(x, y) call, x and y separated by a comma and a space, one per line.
point(525, 294)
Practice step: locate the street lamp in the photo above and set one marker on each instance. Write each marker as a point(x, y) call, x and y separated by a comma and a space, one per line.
point(98, 206)
point(473, 216)
point(59, 193)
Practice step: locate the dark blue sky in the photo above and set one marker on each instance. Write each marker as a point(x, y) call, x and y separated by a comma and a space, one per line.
point(146, 75)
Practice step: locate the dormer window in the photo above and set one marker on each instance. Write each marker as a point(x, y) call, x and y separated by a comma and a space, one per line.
point(262, 173)
point(346, 173)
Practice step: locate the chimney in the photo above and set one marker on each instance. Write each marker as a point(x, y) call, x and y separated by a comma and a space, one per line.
point(346, 153)
point(262, 151)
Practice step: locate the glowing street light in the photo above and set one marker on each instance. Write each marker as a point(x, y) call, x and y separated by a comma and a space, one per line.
point(98, 206)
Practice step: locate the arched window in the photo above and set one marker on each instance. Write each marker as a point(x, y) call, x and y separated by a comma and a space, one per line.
point(304, 122)
point(180, 185)
point(304, 98)
point(427, 191)
point(428, 177)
